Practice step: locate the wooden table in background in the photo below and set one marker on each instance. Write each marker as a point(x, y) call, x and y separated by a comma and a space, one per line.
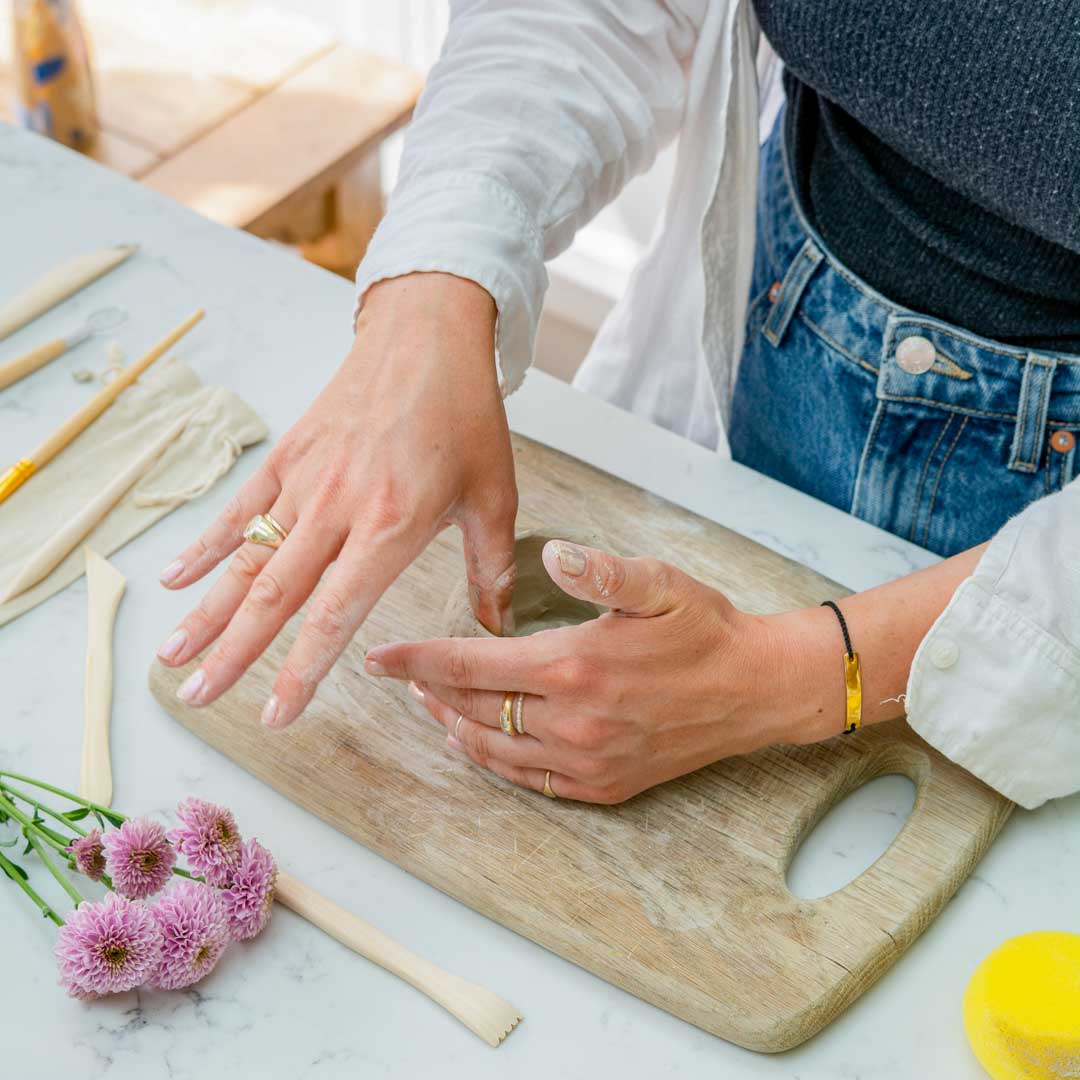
point(256, 118)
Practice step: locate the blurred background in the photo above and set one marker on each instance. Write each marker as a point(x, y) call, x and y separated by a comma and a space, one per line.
point(282, 117)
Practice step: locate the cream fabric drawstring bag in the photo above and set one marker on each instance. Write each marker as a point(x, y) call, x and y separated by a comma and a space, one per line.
point(217, 428)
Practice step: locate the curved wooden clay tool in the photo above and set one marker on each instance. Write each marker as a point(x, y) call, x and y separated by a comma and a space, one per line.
point(104, 587)
point(481, 1011)
point(78, 527)
point(23, 469)
point(58, 284)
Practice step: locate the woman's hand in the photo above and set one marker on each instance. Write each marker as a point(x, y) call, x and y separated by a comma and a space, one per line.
point(672, 678)
point(409, 437)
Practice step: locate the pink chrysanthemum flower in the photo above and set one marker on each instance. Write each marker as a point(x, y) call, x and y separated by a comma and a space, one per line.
point(107, 946)
point(195, 932)
point(139, 858)
point(208, 839)
point(89, 854)
point(250, 896)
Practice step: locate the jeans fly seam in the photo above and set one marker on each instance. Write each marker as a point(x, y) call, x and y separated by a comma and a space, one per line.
point(875, 424)
point(926, 468)
point(937, 481)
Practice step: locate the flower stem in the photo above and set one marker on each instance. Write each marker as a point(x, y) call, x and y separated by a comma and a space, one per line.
point(43, 855)
point(13, 872)
point(67, 822)
point(107, 811)
point(8, 807)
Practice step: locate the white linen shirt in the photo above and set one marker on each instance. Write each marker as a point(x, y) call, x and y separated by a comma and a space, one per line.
point(534, 117)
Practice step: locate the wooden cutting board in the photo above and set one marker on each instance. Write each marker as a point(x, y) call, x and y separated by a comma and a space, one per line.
point(678, 896)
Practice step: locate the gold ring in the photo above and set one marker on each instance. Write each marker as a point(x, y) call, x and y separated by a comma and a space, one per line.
point(263, 529)
point(519, 706)
point(457, 726)
point(547, 786)
point(506, 714)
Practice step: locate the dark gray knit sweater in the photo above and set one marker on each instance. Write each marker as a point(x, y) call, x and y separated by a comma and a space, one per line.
point(937, 151)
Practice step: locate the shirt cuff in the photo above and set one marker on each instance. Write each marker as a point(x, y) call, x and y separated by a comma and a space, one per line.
point(476, 228)
point(1000, 696)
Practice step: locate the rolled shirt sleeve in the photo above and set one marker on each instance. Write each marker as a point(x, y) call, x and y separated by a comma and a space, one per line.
point(534, 117)
point(995, 685)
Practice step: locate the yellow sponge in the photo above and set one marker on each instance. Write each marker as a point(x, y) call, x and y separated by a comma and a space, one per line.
point(1022, 1008)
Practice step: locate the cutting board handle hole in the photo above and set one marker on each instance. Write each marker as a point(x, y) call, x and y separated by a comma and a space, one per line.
point(851, 836)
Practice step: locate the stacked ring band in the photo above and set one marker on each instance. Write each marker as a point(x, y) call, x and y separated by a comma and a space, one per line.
point(519, 707)
point(506, 714)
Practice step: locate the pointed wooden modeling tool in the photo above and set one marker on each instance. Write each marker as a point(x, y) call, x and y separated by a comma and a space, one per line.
point(58, 284)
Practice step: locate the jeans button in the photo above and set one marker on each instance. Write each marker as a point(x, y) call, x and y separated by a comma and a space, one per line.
point(916, 354)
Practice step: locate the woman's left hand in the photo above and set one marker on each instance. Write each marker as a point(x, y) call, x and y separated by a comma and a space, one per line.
point(671, 678)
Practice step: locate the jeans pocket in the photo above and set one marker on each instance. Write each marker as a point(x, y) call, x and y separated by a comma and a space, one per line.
point(938, 477)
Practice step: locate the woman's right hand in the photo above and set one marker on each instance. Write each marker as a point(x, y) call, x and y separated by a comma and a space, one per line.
point(408, 437)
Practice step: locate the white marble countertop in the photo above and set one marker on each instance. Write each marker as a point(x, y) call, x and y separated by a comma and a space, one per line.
point(295, 1003)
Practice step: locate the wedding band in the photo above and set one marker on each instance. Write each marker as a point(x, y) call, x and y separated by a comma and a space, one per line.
point(506, 714)
point(460, 717)
point(547, 786)
point(263, 529)
point(519, 708)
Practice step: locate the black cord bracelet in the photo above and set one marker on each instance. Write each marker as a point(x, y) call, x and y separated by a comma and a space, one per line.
point(852, 675)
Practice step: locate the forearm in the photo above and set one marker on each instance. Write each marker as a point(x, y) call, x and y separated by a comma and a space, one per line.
point(886, 623)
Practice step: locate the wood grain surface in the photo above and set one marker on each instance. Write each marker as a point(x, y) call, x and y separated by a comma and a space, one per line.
point(679, 895)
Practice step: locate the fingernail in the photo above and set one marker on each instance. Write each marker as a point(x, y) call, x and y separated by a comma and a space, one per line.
point(571, 560)
point(416, 691)
point(455, 745)
point(171, 572)
point(270, 711)
point(373, 667)
point(191, 686)
point(171, 646)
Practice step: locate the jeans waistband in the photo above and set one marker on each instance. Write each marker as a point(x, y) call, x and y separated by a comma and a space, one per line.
point(948, 368)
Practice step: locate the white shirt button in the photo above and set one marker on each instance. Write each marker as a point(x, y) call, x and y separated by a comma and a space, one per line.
point(944, 653)
point(916, 354)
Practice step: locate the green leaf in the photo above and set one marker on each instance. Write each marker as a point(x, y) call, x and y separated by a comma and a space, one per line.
point(100, 819)
point(29, 847)
point(9, 843)
point(77, 815)
point(116, 819)
point(17, 868)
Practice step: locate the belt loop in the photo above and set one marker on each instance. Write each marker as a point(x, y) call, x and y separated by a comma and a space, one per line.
point(1031, 410)
point(791, 289)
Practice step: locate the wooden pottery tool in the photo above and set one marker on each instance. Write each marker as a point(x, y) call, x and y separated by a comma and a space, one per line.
point(482, 1012)
point(679, 895)
point(58, 284)
point(22, 470)
point(47, 557)
point(104, 587)
point(98, 323)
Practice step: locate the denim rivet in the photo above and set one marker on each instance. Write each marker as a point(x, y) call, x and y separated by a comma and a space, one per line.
point(774, 292)
point(916, 354)
point(1062, 441)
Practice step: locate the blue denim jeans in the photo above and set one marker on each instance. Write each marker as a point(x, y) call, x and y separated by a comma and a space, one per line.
point(930, 432)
